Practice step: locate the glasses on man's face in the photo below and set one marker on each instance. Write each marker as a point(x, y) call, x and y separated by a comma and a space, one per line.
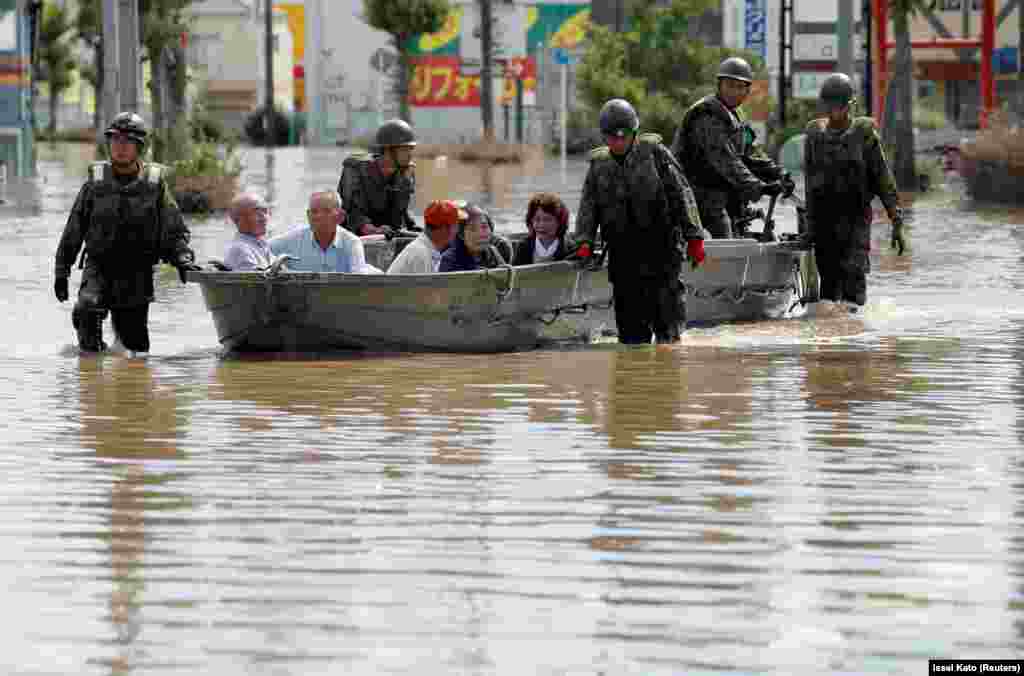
point(321, 210)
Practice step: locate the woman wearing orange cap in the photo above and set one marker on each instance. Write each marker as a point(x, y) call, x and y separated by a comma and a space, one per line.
point(423, 254)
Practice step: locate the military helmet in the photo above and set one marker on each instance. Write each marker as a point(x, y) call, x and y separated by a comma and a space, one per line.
point(618, 117)
point(129, 124)
point(836, 90)
point(736, 68)
point(394, 132)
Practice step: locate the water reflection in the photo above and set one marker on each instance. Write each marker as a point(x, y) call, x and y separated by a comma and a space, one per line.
point(132, 422)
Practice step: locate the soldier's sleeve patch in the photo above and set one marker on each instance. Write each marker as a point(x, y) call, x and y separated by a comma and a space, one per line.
point(154, 172)
point(866, 123)
point(692, 212)
point(817, 125)
point(97, 171)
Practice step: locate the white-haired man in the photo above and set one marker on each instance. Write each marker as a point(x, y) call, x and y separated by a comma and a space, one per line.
point(249, 249)
point(322, 245)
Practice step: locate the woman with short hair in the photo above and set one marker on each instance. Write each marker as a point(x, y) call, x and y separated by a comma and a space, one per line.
point(547, 221)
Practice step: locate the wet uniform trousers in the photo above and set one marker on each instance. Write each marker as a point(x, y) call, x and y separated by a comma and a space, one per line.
point(649, 306)
point(131, 322)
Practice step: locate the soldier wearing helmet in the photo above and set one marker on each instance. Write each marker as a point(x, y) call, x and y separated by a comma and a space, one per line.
point(717, 149)
point(127, 220)
point(844, 169)
point(378, 187)
point(636, 198)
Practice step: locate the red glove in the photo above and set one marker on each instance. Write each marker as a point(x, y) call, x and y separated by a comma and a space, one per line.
point(695, 251)
point(583, 251)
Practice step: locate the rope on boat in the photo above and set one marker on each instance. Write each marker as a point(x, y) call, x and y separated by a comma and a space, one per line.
point(510, 282)
point(739, 294)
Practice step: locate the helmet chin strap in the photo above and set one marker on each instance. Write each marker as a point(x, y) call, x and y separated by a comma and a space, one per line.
point(392, 153)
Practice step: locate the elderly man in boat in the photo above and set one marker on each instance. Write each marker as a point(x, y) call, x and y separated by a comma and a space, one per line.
point(322, 245)
point(249, 249)
point(423, 254)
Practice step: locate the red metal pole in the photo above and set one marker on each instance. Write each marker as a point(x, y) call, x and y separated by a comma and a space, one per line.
point(881, 13)
point(988, 41)
point(941, 43)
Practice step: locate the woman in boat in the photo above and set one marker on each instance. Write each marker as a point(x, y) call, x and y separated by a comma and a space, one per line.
point(547, 221)
point(472, 248)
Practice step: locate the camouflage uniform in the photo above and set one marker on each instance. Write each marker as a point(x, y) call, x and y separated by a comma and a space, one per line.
point(843, 171)
point(128, 223)
point(727, 170)
point(645, 211)
point(370, 197)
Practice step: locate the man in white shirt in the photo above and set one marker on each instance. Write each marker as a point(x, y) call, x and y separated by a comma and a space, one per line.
point(249, 249)
point(423, 254)
point(323, 245)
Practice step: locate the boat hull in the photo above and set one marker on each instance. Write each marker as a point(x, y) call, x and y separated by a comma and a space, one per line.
point(503, 309)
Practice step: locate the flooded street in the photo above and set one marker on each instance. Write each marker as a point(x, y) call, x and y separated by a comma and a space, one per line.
point(828, 495)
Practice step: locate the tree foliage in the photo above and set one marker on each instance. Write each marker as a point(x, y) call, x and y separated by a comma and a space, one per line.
point(55, 56)
point(402, 19)
point(162, 23)
point(656, 65)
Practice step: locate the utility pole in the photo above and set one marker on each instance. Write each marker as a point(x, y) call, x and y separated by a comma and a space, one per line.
point(845, 35)
point(268, 48)
point(111, 73)
point(487, 68)
point(313, 63)
point(868, 81)
point(1020, 57)
point(785, 14)
point(128, 39)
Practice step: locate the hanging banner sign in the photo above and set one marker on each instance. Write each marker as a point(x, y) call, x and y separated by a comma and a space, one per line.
point(756, 20)
point(438, 81)
point(519, 69)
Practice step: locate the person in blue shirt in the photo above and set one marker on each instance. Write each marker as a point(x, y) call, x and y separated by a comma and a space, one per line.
point(249, 249)
point(323, 245)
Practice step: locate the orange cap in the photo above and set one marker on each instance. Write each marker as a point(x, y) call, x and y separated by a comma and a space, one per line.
point(443, 212)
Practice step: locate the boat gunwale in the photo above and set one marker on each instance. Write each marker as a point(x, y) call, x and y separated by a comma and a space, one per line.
point(720, 249)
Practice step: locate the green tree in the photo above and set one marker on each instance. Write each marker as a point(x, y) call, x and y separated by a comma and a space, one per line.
point(402, 19)
point(654, 64)
point(55, 56)
point(163, 22)
point(898, 124)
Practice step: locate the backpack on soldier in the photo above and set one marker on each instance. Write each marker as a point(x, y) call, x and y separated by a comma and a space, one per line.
point(350, 174)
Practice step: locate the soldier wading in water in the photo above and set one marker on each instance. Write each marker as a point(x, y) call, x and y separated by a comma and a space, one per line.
point(844, 168)
point(377, 189)
point(128, 221)
point(718, 152)
point(635, 194)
